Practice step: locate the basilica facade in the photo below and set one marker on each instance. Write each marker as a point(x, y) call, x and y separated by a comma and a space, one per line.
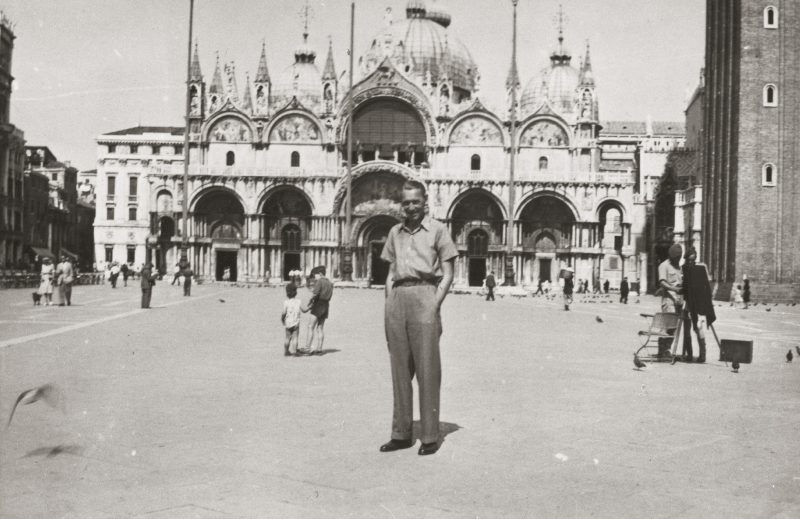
point(267, 170)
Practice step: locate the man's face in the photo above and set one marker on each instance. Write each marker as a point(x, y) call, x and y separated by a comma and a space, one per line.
point(413, 205)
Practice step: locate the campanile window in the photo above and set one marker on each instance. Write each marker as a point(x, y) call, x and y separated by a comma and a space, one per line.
point(770, 17)
point(768, 174)
point(770, 95)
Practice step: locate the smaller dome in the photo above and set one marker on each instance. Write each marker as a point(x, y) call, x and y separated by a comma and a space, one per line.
point(302, 79)
point(415, 9)
point(556, 83)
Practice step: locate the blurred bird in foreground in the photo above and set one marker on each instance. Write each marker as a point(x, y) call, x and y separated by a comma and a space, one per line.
point(769, 309)
point(221, 300)
point(735, 366)
point(638, 363)
point(789, 356)
point(48, 393)
point(797, 348)
point(598, 319)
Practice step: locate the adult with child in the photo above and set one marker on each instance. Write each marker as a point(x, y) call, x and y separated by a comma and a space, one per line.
point(318, 306)
point(421, 255)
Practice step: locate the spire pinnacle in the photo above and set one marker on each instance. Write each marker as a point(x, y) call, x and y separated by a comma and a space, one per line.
point(329, 72)
point(262, 74)
point(216, 83)
point(247, 101)
point(587, 76)
point(196, 75)
point(561, 19)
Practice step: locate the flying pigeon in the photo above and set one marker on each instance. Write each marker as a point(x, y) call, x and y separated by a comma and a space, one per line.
point(221, 300)
point(638, 363)
point(789, 356)
point(598, 319)
point(735, 366)
point(49, 393)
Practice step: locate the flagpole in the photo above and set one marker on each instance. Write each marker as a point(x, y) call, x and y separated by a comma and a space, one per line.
point(347, 260)
point(510, 234)
point(185, 219)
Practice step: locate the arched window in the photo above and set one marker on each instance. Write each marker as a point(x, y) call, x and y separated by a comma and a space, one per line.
point(230, 158)
point(768, 174)
point(475, 163)
point(543, 163)
point(478, 243)
point(770, 95)
point(295, 159)
point(770, 17)
point(290, 238)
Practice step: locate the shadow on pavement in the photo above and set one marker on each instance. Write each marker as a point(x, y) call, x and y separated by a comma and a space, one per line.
point(52, 452)
point(445, 428)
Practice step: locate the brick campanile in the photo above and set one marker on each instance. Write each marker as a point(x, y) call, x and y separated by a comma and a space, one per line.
point(752, 146)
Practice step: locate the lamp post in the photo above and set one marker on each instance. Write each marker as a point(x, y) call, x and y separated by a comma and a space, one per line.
point(509, 263)
point(184, 223)
point(347, 252)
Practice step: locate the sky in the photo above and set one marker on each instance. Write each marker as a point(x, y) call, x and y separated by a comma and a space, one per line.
point(86, 67)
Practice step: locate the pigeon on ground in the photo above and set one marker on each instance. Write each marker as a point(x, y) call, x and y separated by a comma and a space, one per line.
point(598, 319)
point(735, 366)
point(794, 303)
point(48, 393)
point(637, 362)
point(789, 356)
point(221, 300)
point(797, 349)
point(769, 309)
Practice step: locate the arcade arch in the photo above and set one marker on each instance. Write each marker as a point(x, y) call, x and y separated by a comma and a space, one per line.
point(219, 215)
point(546, 224)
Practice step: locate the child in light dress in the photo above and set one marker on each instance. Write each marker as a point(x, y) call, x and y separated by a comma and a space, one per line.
point(292, 308)
point(737, 300)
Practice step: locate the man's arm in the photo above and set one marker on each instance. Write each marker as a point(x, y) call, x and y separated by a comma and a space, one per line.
point(444, 284)
point(389, 283)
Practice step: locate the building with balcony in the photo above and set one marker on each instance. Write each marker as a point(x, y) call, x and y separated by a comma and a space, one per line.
point(267, 177)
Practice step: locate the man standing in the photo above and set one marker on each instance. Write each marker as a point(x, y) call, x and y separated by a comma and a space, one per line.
point(67, 278)
point(670, 282)
point(697, 295)
point(490, 284)
point(569, 286)
point(148, 281)
point(318, 307)
point(187, 274)
point(624, 290)
point(421, 254)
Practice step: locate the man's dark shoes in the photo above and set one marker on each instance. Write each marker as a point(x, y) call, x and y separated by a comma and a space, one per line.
point(396, 445)
point(428, 448)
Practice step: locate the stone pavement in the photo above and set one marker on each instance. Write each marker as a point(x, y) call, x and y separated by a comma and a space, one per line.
point(190, 410)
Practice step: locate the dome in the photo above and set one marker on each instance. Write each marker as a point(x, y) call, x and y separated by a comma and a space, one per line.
point(302, 79)
point(421, 44)
point(557, 83)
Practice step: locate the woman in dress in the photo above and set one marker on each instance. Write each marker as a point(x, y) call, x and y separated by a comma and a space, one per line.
point(46, 282)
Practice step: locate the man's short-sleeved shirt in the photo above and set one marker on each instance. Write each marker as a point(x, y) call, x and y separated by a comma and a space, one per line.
point(323, 289)
point(418, 255)
point(670, 274)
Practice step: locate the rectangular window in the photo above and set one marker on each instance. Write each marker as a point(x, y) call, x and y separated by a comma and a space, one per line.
point(110, 213)
point(109, 253)
point(54, 176)
point(134, 149)
point(156, 150)
point(613, 263)
point(178, 150)
point(132, 213)
point(112, 187)
point(112, 148)
point(133, 187)
point(131, 254)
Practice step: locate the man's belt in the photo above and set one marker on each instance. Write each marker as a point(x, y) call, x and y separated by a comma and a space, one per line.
point(414, 282)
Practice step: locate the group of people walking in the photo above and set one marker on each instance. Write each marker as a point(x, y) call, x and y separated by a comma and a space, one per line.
point(56, 280)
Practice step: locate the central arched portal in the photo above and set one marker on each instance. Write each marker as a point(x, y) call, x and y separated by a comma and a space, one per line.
point(547, 223)
point(288, 217)
point(219, 215)
point(374, 233)
point(476, 221)
point(477, 251)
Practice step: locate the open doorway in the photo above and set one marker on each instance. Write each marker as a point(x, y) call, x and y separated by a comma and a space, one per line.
point(226, 265)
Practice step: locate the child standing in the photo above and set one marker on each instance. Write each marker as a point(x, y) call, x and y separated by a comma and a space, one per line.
point(291, 320)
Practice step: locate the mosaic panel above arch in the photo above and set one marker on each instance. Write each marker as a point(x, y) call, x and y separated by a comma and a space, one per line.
point(295, 128)
point(229, 129)
point(543, 134)
point(476, 131)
